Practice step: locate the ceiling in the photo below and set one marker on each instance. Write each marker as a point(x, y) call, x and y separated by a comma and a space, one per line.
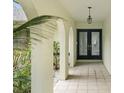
point(79, 9)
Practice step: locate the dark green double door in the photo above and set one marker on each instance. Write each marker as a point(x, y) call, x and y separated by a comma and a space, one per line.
point(89, 43)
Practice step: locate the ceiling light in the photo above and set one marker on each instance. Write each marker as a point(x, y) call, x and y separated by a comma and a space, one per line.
point(89, 19)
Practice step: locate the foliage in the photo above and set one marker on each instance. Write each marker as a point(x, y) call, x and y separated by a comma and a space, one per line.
point(56, 53)
point(21, 71)
point(35, 21)
point(21, 57)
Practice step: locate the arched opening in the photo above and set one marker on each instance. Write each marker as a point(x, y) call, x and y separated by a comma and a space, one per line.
point(61, 37)
point(42, 56)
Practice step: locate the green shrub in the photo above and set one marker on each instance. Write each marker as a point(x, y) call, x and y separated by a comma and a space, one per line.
point(21, 71)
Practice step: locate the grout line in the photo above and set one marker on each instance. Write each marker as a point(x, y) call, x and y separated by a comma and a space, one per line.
point(87, 79)
point(96, 80)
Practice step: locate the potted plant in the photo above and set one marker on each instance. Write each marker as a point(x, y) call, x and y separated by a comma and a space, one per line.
point(56, 53)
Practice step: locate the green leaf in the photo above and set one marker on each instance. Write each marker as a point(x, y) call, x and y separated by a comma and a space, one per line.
point(35, 21)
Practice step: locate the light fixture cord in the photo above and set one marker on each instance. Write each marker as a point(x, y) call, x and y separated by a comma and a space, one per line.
point(89, 11)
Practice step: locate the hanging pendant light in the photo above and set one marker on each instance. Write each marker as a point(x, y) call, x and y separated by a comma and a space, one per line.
point(89, 19)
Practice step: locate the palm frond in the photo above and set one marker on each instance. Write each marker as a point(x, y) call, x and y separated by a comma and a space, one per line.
point(35, 21)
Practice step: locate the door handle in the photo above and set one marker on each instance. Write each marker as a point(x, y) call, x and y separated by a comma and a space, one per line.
point(88, 47)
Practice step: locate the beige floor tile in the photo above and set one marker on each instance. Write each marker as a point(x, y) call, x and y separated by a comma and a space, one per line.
point(59, 91)
point(92, 91)
point(82, 87)
point(61, 87)
point(103, 87)
point(85, 78)
point(82, 84)
point(72, 87)
point(70, 91)
point(103, 91)
point(81, 91)
point(92, 83)
point(92, 87)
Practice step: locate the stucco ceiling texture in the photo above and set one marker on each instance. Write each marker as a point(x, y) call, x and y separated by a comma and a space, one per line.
point(79, 9)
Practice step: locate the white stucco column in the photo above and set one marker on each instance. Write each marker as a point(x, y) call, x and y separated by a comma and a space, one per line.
point(71, 47)
point(42, 67)
point(63, 38)
point(41, 57)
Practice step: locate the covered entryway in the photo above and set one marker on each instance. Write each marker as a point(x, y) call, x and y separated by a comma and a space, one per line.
point(89, 46)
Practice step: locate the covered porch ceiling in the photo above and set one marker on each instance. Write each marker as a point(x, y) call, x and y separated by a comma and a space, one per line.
point(78, 9)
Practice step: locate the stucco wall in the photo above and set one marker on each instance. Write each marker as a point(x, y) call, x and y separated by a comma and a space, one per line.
point(107, 43)
point(81, 25)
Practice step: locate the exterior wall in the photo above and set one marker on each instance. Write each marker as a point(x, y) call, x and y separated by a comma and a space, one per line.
point(107, 44)
point(98, 25)
point(80, 25)
point(106, 38)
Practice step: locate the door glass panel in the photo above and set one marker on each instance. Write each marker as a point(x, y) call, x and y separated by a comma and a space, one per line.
point(83, 43)
point(95, 43)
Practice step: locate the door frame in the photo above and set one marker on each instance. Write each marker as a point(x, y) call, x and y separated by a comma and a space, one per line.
point(79, 57)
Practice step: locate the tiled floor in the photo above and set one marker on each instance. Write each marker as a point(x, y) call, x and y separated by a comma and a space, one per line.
point(85, 78)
